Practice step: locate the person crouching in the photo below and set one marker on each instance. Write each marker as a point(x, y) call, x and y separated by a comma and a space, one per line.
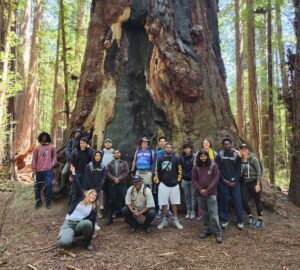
point(139, 201)
point(81, 218)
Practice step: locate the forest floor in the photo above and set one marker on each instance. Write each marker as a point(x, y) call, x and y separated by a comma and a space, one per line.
point(32, 237)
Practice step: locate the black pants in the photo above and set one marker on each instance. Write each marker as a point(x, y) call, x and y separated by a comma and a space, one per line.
point(248, 189)
point(130, 219)
point(116, 195)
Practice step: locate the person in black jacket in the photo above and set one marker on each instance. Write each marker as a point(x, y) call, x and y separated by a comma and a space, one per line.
point(81, 156)
point(229, 163)
point(187, 162)
point(81, 217)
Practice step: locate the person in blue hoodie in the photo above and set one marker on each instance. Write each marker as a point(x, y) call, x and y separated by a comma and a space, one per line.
point(229, 163)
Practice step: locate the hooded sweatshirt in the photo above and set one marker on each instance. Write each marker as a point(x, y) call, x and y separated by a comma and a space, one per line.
point(187, 163)
point(251, 169)
point(94, 175)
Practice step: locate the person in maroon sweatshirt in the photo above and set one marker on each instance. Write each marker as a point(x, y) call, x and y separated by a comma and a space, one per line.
point(43, 160)
point(205, 177)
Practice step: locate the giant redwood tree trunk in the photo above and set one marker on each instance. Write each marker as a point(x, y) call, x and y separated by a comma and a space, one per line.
point(153, 67)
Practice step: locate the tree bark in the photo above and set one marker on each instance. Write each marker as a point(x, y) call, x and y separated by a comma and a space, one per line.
point(252, 80)
point(28, 126)
point(240, 118)
point(64, 56)
point(79, 29)
point(170, 82)
point(270, 97)
point(294, 188)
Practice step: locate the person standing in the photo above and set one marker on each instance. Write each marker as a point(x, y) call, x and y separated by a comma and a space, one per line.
point(117, 174)
point(107, 152)
point(80, 157)
point(73, 144)
point(139, 202)
point(187, 162)
point(168, 176)
point(43, 160)
point(229, 164)
point(205, 181)
point(251, 185)
point(143, 162)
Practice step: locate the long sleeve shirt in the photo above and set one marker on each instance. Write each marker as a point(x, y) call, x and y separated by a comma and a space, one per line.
point(43, 158)
point(206, 177)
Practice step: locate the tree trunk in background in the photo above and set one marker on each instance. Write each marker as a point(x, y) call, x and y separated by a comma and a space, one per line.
point(284, 79)
point(264, 127)
point(252, 81)
point(294, 189)
point(2, 26)
point(64, 56)
point(270, 95)
point(173, 84)
point(81, 6)
point(240, 117)
point(28, 126)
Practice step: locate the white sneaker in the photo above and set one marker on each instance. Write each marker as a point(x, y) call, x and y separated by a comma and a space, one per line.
point(97, 227)
point(240, 226)
point(188, 215)
point(100, 214)
point(163, 224)
point(193, 215)
point(177, 224)
point(224, 225)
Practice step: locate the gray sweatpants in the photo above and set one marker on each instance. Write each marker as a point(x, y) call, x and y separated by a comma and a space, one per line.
point(71, 229)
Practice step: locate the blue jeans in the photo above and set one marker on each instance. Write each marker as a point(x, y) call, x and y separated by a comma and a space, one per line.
point(209, 206)
point(40, 178)
point(236, 197)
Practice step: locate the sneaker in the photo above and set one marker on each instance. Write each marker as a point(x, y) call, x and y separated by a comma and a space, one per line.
point(199, 218)
point(188, 215)
point(193, 215)
point(251, 222)
point(258, 224)
point(219, 239)
point(48, 205)
point(163, 224)
point(204, 235)
point(100, 214)
point(133, 229)
point(38, 205)
point(89, 246)
point(148, 230)
point(97, 227)
point(159, 214)
point(170, 214)
point(177, 224)
point(240, 226)
point(114, 215)
point(224, 225)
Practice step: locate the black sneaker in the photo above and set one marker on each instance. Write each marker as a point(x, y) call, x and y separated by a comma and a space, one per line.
point(48, 205)
point(219, 239)
point(38, 205)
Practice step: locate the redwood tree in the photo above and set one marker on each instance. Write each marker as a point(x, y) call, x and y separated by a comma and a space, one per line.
point(153, 67)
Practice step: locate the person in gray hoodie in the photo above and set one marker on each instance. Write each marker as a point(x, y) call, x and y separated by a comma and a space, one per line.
point(251, 174)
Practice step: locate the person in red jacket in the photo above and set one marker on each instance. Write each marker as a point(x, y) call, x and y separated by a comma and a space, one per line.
point(205, 177)
point(43, 160)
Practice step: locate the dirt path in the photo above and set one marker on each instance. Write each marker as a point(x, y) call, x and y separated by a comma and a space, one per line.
point(32, 239)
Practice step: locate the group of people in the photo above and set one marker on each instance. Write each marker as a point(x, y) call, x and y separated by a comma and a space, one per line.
point(211, 182)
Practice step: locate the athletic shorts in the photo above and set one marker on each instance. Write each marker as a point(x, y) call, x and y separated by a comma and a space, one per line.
point(166, 194)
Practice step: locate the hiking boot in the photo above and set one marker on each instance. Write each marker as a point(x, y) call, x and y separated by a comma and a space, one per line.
point(219, 239)
point(193, 215)
point(48, 205)
point(159, 214)
point(224, 225)
point(204, 235)
point(177, 224)
point(240, 226)
point(188, 215)
point(97, 227)
point(148, 230)
point(258, 225)
point(170, 214)
point(251, 222)
point(38, 205)
point(163, 224)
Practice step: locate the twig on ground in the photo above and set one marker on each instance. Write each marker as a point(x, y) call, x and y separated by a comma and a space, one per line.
point(2, 249)
point(68, 253)
point(31, 267)
point(155, 265)
point(71, 267)
point(167, 254)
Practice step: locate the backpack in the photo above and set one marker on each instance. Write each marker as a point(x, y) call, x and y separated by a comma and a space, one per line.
point(259, 162)
point(235, 155)
point(144, 191)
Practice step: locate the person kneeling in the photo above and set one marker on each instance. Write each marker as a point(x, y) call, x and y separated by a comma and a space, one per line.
point(81, 218)
point(139, 201)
